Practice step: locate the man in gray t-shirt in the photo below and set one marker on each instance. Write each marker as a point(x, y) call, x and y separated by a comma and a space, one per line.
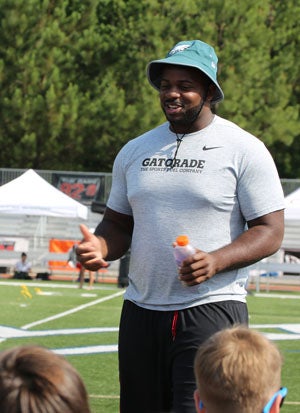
point(197, 175)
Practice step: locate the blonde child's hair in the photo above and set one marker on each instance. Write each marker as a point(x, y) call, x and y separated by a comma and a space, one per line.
point(237, 370)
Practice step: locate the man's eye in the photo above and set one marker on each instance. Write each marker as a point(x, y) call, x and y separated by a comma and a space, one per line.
point(184, 88)
point(163, 87)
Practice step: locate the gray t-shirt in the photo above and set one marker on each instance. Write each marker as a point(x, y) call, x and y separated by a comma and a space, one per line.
point(223, 177)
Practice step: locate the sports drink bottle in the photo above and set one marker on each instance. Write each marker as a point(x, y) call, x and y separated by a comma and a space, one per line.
point(183, 249)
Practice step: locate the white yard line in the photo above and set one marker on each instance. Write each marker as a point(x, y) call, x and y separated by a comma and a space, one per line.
point(12, 332)
point(73, 310)
point(43, 284)
point(270, 295)
point(108, 348)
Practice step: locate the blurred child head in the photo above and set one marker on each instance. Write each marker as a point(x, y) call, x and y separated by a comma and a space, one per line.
point(33, 379)
point(238, 370)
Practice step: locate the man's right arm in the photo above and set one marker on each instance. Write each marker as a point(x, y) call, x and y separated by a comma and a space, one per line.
point(111, 240)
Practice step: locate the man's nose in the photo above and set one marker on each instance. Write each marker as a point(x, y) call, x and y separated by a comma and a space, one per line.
point(173, 91)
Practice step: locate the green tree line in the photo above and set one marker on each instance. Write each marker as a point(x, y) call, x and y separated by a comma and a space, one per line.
point(73, 75)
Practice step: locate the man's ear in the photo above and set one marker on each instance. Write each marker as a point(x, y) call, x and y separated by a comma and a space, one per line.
point(211, 92)
point(275, 408)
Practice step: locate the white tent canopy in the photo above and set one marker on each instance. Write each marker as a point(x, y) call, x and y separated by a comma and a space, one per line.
point(30, 194)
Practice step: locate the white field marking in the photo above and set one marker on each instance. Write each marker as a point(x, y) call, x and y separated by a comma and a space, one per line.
point(73, 285)
point(280, 336)
point(88, 295)
point(292, 403)
point(103, 396)
point(109, 348)
point(268, 295)
point(73, 310)
point(11, 332)
point(289, 331)
point(38, 284)
point(291, 328)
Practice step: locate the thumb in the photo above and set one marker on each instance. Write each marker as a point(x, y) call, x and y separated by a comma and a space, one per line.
point(87, 235)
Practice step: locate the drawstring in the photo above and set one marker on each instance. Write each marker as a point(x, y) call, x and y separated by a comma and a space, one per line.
point(174, 324)
point(178, 140)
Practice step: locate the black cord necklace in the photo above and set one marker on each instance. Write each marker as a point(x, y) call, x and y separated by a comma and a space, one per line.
point(178, 142)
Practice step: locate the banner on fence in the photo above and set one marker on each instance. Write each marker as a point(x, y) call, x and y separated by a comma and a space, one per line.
point(60, 246)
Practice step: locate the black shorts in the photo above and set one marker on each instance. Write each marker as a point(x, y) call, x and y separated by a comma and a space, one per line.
point(157, 350)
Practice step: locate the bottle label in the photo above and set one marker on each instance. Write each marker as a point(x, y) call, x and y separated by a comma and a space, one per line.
point(181, 253)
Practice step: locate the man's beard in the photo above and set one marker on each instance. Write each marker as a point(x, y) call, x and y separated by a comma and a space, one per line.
point(188, 117)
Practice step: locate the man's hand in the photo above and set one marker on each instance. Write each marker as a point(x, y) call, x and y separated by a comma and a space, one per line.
point(197, 268)
point(90, 251)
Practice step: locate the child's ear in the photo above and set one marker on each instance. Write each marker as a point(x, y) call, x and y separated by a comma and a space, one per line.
point(197, 400)
point(198, 404)
point(275, 408)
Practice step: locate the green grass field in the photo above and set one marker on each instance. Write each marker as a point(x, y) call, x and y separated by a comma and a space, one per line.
point(83, 325)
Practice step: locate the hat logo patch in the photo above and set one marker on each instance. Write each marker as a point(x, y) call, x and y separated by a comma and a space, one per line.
point(179, 48)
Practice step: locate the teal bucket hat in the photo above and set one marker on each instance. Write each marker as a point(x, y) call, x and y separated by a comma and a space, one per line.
point(191, 53)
